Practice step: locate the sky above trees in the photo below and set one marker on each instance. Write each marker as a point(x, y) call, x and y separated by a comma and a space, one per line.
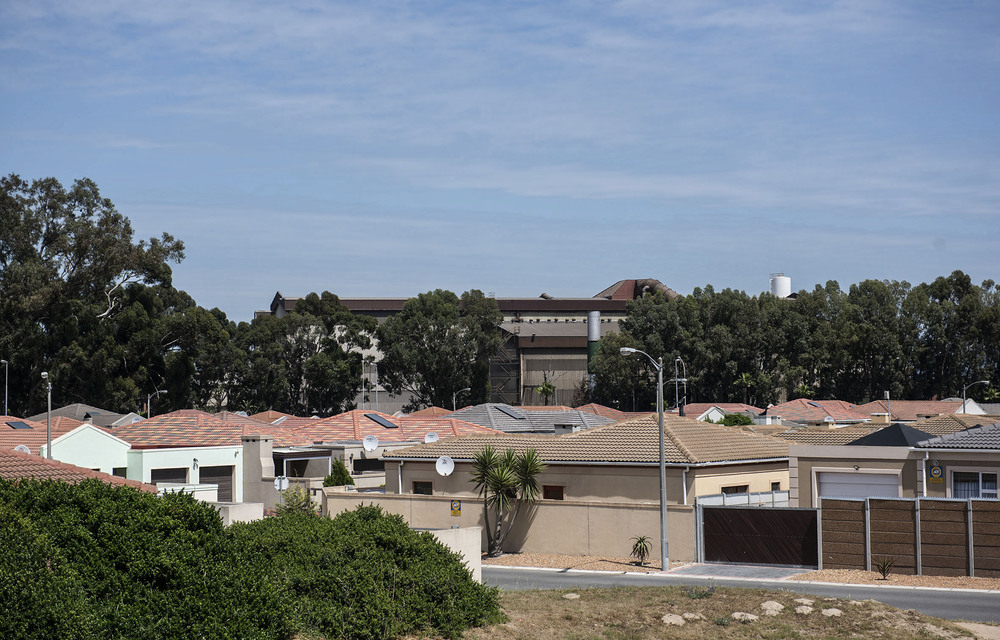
point(392, 149)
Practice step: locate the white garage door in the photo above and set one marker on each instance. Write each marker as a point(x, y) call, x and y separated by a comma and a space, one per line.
point(835, 484)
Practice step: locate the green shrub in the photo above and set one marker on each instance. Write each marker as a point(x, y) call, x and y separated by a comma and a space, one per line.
point(295, 499)
point(366, 575)
point(339, 475)
point(736, 420)
point(128, 564)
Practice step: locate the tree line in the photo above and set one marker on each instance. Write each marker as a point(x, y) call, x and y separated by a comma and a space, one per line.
point(82, 299)
point(916, 342)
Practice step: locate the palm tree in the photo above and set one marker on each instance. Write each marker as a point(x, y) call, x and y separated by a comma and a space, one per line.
point(745, 380)
point(505, 481)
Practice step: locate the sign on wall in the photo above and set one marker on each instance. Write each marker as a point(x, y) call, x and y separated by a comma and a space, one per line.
point(456, 508)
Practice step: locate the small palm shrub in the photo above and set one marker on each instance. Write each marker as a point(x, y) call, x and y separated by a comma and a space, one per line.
point(640, 549)
point(883, 564)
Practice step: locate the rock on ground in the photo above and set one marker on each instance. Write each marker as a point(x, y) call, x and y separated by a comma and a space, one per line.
point(742, 616)
point(805, 601)
point(692, 616)
point(571, 596)
point(832, 613)
point(772, 608)
point(674, 619)
point(803, 609)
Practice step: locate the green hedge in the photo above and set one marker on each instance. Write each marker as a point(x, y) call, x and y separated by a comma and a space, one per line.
point(94, 560)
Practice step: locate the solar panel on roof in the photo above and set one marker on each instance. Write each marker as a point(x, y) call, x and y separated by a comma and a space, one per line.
point(19, 425)
point(815, 404)
point(510, 413)
point(382, 421)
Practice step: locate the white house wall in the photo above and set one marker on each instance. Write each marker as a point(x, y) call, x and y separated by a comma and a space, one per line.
point(141, 463)
point(91, 448)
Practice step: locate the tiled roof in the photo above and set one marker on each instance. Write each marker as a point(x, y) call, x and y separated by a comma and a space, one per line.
point(354, 425)
point(281, 435)
point(695, 409)
point(805, 410)
point(36, 437)
point(843, 435)
point(184, 428)
point(294, 422)
point(910, 409)
point(15, 465)
point(952, 423)
point(78, 411)
point(990, 407)
point(981, 437)
point(545, 407)
point(270, 415)
point(430, 412)
point(510, 419)
point(895, 435)
point(601, 410)
point(635, 441)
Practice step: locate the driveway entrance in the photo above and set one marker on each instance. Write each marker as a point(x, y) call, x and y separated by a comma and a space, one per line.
point(758, 535)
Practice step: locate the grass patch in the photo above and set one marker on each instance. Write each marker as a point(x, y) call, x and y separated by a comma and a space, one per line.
point(635, 613)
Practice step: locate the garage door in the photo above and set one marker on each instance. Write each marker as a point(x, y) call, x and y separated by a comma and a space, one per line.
point(177, 476)
point(835, 484)
point(222, 476)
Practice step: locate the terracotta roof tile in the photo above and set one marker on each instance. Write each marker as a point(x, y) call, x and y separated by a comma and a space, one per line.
point(688, 441)
point(270, 416)
point(601, 410)
point(843, 435)
point(805, 410)
point(911, 409)
point(35, 437)
point(15, 465)
point(430, 412)
point(695, 409)
point(184, 428)
point(355, 425)
point(953, 423)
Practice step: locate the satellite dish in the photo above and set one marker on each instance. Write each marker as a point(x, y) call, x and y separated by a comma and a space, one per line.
point(370, 443)
point(430, 437)
point(22, 449)
point(444, 466)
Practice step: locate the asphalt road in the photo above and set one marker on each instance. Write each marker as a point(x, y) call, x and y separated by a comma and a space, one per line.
point(952, 604)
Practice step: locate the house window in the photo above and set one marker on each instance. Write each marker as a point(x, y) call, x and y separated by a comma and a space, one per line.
point(973, 484)
point(740, 488)
point(121, 472)
point(775, 486)
point(552, 492)
point(423, 488)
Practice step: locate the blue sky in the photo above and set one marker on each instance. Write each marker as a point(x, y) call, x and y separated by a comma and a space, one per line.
point(385, 149)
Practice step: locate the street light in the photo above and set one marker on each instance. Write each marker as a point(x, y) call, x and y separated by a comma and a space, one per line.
point(455, 395)
point(6, 367)
point(149, 398)
point(48, 418)
point(658, 365)
point(964, 407)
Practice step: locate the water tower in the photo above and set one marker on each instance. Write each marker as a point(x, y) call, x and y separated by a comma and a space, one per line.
point(781, 285)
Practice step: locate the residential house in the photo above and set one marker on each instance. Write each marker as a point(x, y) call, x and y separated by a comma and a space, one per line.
point(600, 487)
point(91, 447)
point(914, 410)
point(819, 413)
point(509, 419)
point(962, 465)
point(32, 435)
point(715, 411)
point(888, 462)
point(82, 413)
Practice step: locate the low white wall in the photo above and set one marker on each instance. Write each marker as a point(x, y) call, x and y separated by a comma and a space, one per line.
point(239, 511)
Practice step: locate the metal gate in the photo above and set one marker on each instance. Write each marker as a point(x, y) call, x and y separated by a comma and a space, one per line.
point(758, 535)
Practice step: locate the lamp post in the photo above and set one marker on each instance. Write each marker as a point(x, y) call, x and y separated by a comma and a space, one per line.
point(964, 407)
point(48, 417)
point(454, 397)
point(658, 365)
point(149, 404)
point(6, 368)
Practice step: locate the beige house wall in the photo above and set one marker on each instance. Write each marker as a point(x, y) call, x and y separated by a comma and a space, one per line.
point(806, 461)
point(550, 526)
point(602, 482)
point(952, 461)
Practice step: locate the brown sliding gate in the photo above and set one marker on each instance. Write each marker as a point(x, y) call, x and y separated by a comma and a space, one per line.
point(759, 535)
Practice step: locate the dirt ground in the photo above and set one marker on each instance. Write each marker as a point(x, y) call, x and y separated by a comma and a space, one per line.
point(610, 563)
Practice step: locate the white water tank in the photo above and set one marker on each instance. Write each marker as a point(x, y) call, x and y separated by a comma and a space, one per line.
point(781, 285)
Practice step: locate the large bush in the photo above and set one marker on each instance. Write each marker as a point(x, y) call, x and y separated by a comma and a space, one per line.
point(365, 575)
point(95, 560)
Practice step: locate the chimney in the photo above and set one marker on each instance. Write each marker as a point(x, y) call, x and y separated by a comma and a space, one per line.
point(880, 418)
